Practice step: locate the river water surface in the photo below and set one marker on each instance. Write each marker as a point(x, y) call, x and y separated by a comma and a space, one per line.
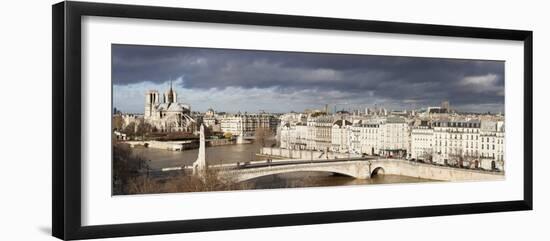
point(247, 152)
point(214, 155)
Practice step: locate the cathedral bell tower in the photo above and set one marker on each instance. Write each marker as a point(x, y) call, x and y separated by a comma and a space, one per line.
point(151, 100)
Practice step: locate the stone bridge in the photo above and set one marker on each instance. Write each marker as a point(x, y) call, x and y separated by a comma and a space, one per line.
point(357, 167)
point(363, 169)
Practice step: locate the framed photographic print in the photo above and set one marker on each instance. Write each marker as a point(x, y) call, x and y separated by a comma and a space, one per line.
point(169, 120)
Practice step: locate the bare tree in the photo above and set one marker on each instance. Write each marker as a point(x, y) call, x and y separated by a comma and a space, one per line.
point(211, 180)
point(454, 158)
point(262, 136)
point(126, 166)
point(460, 158)
point(143, 128)
point(118, 122)
point(428, 156)
point(144, 184)
point(471, 159)
point(130, 129)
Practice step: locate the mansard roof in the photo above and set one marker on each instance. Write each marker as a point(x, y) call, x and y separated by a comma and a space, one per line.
point(395, 119)
point(342, 122)
point(472, 123)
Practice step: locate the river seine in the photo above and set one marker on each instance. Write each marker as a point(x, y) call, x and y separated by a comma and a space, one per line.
point(247, 152)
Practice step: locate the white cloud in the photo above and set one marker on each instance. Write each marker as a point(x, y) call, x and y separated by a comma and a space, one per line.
point(320, 75)
point(481, 83)
point(410, 101)
point(130, 98)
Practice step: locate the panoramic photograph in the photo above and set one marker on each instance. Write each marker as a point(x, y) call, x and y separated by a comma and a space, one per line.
point(190, 119)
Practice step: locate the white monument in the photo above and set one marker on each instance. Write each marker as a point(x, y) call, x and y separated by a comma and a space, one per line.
point(199, 166)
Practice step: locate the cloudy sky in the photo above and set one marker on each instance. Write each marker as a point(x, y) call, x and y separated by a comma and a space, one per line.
point(249, 80)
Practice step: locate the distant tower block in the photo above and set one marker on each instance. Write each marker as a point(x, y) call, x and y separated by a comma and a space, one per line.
point(199, 166)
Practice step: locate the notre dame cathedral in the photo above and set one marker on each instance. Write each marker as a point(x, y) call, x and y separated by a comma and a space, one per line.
point(168, 115)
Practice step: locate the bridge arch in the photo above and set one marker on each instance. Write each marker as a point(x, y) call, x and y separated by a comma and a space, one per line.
point(356, 169)
point(291, 171)
point(377, 171)
point(259, 175)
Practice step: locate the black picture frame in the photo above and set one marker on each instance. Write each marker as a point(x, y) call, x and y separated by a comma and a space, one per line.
point(66, 127)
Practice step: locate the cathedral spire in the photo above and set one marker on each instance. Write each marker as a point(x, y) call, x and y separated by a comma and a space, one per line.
point(170, 95)
point(170, 84)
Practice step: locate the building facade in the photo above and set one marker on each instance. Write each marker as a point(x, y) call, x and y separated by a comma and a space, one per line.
point(245, 125)
point(319, 131)
point(340, 136)
point(394, 137)
point(422, 141)
point(293, 136)
point(468, 141)
point(492, 144)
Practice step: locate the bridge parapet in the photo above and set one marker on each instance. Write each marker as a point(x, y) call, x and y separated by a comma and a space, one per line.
point(434, 172)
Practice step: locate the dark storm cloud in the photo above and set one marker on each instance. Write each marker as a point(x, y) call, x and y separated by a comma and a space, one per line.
point(406, 80)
